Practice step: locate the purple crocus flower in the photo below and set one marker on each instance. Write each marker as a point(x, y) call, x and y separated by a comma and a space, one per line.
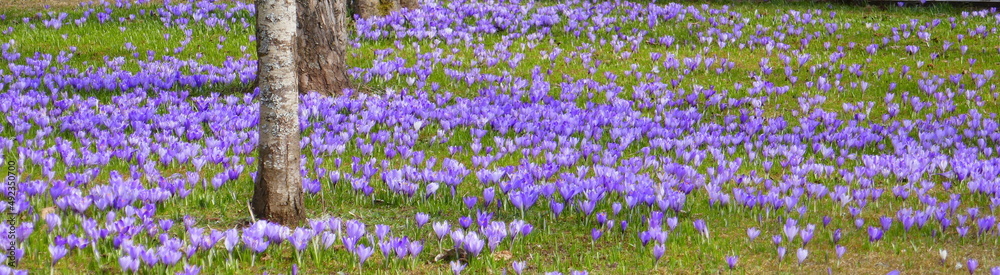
point(195, 270)
point(872, 49)
point(53, 221)
point(515, 227)
point(807, 234)
point(874, 234)
point(465, 222)
point(328, 239)
point(644, 236)
point(363, 253)
point(355, 229)
point(731, 261)
point(602, 218)
point(168, 256)
point(526, 229)
point(802, 253)
point(415, 248)
point(128, 263)
point(483, 218)
point(232, 238)
point(907, 221)
point(386, 247)
point(658, 251)
point(972, 264)
point(457, 267)
point(400, 246)
point(985, 224)
point(381, 231)
point(473, 244)
point(700, 226)
point(840, 251)
point(672, 223)
point(790, 230)
point(595, 234)
point(519, 266)
point(57, 252)
point(962, 231)
point(422, 219)
point(470, 202)
point(458, 237)
point(257, 244)
point(488, 195)
point(300, 238)
point(752, 233)
point(557, 207)
point(886, 223)
point(441, 229)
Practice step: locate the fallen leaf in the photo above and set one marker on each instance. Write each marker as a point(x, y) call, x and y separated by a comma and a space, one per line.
point(449, 255)
point(504, 255)
point(46, 211)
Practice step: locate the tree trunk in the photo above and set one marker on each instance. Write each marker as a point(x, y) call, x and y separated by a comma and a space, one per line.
point(410, 4)
point(366, 8)
point(390, 5)
point(277, 193)
point(322, 43)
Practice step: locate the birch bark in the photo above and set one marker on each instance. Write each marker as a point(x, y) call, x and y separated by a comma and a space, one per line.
point(278, 186)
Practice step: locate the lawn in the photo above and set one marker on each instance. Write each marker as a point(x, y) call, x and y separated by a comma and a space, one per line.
point(606, 137)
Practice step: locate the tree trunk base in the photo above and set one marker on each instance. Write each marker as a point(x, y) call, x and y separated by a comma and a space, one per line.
point(278, 192)
point(409, 4)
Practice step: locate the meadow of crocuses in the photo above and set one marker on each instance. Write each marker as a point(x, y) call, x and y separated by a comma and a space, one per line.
point(517, 137)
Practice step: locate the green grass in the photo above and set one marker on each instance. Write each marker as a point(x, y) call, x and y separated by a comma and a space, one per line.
point(561, 244)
